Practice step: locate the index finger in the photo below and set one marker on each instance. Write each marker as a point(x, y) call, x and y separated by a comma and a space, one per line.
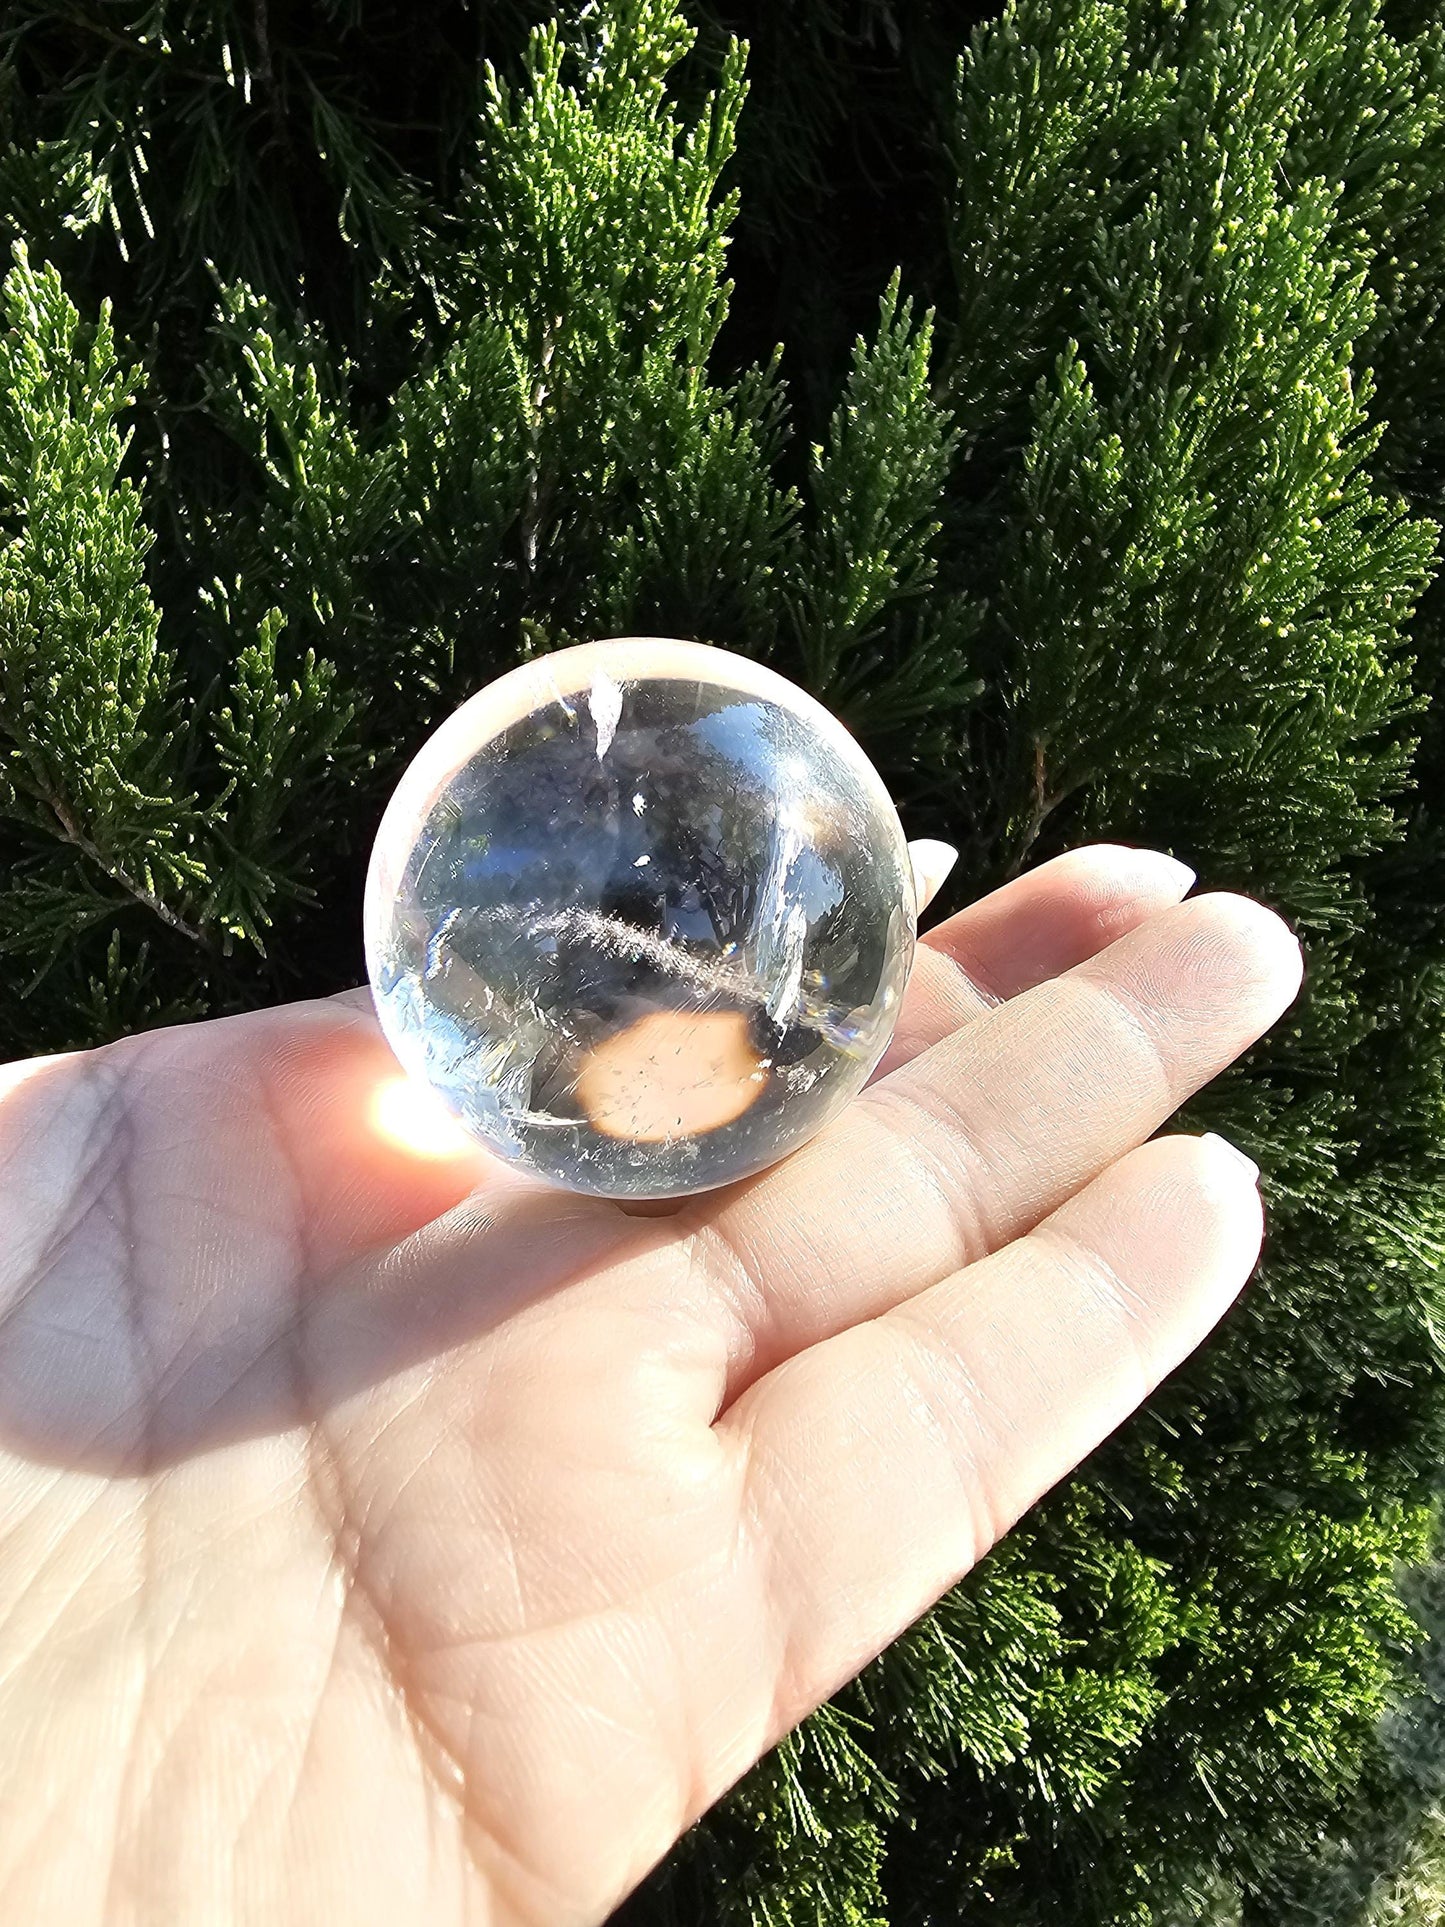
point(1028, 930)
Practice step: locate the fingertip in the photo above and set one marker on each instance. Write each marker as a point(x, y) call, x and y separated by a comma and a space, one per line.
point(1234, 1180)
point(1227, 1183)
point(1140, 872)
point(1268, 934)
point(1194, 1203)
point(1249, 949)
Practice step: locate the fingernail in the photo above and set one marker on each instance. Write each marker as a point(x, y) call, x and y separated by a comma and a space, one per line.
point(932, 862)
point(1213, 1137)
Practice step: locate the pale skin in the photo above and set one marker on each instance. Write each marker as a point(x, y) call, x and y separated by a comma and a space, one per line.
point(388, 1538)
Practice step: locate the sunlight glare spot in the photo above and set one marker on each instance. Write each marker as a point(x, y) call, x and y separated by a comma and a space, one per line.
point(412, 1118)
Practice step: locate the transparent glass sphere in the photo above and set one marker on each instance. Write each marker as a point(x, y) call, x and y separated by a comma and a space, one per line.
point(642, 913)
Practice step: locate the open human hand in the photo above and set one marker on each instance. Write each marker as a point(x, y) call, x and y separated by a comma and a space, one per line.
point(387, 1537)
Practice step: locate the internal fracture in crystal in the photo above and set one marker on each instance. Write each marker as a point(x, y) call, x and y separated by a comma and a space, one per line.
point(641, 912)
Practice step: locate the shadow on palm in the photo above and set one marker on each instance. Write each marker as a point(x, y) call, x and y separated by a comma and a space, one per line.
point(219, 1243)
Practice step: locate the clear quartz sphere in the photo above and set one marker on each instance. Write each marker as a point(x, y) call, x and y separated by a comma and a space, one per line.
point(641, 912)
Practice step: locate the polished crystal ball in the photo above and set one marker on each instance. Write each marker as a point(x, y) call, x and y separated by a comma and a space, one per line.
point(642, 913)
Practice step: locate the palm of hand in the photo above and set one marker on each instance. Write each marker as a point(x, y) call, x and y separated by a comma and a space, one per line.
point(400, 1538)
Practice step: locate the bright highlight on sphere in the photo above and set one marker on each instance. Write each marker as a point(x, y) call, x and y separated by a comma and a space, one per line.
point(641, 914)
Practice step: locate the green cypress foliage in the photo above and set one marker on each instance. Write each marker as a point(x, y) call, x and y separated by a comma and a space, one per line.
point(1077, 431)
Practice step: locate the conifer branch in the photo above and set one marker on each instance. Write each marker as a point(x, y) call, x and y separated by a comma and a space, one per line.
point(118, 873)
point(129, 43)
point(266, 75)
point(1043, 803)
point(266, 72)
point(540, 395)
